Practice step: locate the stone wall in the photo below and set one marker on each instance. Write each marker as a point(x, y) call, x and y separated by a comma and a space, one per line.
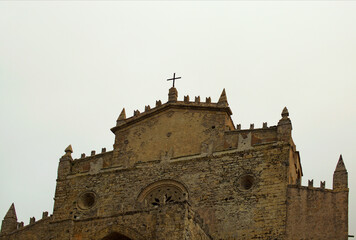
point(174, 221)
point(34, 231)
point(173, 133)
point(317, 213)
point(215, 190)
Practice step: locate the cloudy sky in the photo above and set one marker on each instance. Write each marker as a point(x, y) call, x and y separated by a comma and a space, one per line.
point(68, 68)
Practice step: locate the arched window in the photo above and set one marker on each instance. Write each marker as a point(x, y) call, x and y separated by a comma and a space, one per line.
point(162, 192)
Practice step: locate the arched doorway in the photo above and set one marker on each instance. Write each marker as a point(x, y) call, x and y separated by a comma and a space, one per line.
point(116, 231)
point(116, 236)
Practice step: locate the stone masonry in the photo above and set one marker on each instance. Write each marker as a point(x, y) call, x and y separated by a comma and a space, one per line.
point(183, 170)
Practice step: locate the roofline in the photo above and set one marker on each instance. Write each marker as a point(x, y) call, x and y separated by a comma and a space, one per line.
point(175, 105)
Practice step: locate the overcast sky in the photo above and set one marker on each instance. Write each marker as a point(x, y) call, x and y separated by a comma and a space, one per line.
point(68, 68)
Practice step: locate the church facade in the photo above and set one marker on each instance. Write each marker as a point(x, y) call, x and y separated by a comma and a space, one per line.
point(183, 170)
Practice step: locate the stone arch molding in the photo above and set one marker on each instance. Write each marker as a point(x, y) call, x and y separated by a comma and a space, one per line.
point(120, 229)
point(163, 191)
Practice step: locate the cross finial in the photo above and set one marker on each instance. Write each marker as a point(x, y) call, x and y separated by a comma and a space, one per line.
point(174, 78)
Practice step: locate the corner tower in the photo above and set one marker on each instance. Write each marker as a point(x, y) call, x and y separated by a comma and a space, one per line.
point(340, 178)
point(9, 224)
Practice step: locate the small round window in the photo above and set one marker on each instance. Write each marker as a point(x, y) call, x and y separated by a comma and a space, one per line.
point(86, 200)
point(246, 182)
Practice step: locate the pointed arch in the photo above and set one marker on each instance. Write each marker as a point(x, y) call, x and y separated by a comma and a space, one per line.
point(118, 232)
point(116, 236)
point(163, 191)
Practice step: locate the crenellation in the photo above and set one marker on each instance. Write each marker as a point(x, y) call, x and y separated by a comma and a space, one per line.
point(20, 225)
point(222, 106)
point(39, 227)
point(136, 113)
point(264, 125)
point(208, 100)
point(310, 183)
point(313, 189)
point(186, 99)
point(322, 184)
point(93, 154)
point(158, 103)
point(268, 129)
point(44, 215)
point(197, 99)
point(252, 126)
point(147, 108)
point(314, 213)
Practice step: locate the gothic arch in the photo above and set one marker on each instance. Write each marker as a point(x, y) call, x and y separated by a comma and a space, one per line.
point(116, 236)
point(163, 191)
point(118, 232)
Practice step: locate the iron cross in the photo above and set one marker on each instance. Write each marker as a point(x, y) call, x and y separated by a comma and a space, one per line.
point(174, 78)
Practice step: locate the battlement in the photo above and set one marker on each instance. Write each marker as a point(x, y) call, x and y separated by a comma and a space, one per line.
point(248, 138)
point(306, 208)
point(252, 127)
point(33, 221)
point(172, 102)
point(93, 154)
point(217, 134)
point(241, 140)
point(11, 226)
point(311, 186)
point(92, 163)
point(311, 211)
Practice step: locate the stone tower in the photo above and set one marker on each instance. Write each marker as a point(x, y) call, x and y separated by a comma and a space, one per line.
point(340, 176)
point(184, 170)
point(9, 224)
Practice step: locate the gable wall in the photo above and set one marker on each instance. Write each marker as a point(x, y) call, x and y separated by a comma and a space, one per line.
point(170, 134)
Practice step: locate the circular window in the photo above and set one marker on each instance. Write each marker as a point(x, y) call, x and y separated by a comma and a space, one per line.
point(246, 182)
point(86, 200)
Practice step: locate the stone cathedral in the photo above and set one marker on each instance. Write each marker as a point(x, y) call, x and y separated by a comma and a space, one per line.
point(183, 170)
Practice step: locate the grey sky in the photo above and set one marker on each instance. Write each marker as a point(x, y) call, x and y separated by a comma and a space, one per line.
point(68, 68)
